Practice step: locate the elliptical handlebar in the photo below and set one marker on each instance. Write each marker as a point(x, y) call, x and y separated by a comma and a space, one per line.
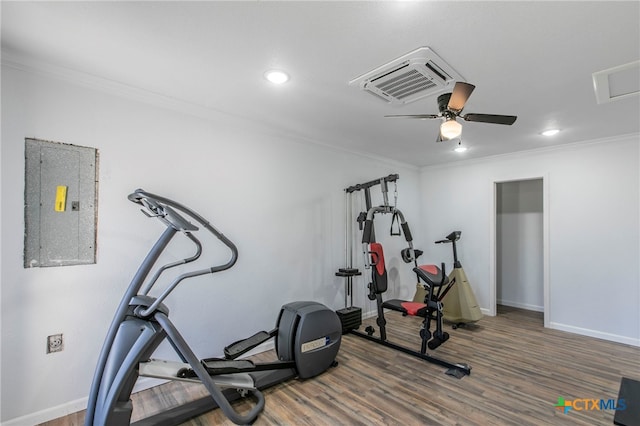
point(106, 383)
point(165, 210)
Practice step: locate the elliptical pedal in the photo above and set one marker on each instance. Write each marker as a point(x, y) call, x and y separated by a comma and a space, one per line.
point(216, 367)
point(241, 347)
point(225, 366)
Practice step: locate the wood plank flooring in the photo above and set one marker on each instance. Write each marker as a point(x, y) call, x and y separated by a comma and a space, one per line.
point(519, 369)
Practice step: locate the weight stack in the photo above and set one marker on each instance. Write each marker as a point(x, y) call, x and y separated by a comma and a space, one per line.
point(350, 318)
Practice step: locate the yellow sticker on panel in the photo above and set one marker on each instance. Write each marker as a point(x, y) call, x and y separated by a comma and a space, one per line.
point(61, 198)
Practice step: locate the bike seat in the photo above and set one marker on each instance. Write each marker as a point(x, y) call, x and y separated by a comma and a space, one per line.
point(432, 275)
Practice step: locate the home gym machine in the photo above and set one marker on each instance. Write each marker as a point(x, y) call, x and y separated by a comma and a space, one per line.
point(431, 277)
point(307, 337)
point(460, 306)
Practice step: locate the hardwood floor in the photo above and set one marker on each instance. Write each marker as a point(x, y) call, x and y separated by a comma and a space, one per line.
point(519, 370)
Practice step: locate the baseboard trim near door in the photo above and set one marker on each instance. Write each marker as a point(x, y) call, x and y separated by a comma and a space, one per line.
point(526, 306)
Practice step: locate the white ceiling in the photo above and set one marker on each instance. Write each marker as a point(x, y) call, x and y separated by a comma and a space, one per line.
point(530, 59)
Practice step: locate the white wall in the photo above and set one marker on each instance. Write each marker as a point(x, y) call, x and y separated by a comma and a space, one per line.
point(594, 215)
point(279, 200)
point(519, 244)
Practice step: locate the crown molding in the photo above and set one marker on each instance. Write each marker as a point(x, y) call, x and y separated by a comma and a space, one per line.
point(115, 88)
point(541, 150)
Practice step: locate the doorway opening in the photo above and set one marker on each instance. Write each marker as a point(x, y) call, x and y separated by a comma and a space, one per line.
point(520, 235)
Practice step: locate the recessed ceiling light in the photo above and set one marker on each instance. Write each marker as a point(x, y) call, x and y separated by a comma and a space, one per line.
point(550, 132)
point(276, 76)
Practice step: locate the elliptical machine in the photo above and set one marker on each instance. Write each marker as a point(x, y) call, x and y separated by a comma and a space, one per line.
point(307, 334)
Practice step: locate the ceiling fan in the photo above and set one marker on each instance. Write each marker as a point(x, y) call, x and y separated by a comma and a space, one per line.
point(450, 106)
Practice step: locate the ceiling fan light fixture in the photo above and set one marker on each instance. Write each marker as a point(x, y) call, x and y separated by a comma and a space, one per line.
point(450, 106)
point(450, 129)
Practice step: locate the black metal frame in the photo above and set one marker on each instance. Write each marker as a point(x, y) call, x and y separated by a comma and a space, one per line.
point(365, 219)
point(462, 368)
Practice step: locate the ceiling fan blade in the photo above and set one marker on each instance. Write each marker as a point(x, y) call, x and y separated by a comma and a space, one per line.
point(461, 92)
point(419, 116)
point(491, 118)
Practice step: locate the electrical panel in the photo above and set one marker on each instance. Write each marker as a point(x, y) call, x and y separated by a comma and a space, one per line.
point(60, 204)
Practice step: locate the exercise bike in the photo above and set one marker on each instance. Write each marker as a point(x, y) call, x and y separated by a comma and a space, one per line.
point(460, 306)
point(307, 338)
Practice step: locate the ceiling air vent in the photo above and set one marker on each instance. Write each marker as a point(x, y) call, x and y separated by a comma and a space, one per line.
point(617, 83)
point(417, 74)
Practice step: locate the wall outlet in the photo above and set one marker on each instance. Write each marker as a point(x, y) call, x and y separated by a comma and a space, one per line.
point(55, 343)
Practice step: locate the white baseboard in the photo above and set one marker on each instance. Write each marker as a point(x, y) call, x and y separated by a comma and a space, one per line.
point(519, 305)
point(71, 407)
point(554, 325)
point(370, 314)
point(48, 414)
point(577, 330)
point(597, 334)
